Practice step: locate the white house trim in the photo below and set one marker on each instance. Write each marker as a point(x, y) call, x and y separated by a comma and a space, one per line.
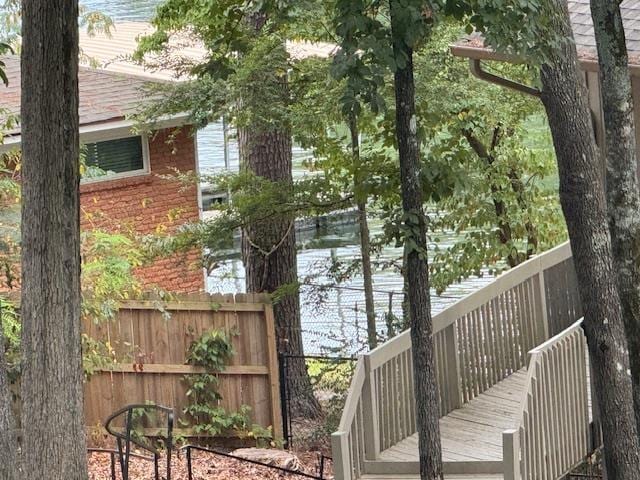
point(106, 130)
point(146, 159)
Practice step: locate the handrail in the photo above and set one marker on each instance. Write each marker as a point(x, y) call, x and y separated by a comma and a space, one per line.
point(553, 341)
point(347, 443)
point(353, 397)
point(475, 299)
point(552, 431)
point(478, 341)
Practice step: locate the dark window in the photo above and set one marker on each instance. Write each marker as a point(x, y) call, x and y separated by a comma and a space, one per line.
point(114, 156)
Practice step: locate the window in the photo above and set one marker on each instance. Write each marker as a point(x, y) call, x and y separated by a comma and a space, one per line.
point(109, 159)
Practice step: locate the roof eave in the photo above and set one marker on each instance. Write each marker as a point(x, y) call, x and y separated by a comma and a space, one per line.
point(95, 132)
point(483, 53)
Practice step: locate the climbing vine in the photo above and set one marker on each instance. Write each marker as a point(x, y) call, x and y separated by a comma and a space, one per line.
point(213, 351)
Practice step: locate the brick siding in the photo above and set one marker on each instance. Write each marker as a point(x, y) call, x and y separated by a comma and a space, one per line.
point(147, 203)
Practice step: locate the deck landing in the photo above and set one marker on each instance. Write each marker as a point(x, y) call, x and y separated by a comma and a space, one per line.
point(392, 476)
point(472, 433)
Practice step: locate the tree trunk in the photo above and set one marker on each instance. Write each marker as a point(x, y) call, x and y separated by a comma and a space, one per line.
point(270, 260)
point(365, 238)
point(269, 250)
point(583, 202)
point(623, 198)
point(417, 270)
point(8, 446)
point(52, 402)
point(367, 275)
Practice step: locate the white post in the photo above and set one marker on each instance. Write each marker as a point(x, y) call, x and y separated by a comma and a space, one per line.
point(341, 458)
point(543, 305)
point(453, 363)
point(511, 454)
point(370, 413)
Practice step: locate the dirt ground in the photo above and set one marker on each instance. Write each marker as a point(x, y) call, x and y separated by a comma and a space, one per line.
point(204, 467)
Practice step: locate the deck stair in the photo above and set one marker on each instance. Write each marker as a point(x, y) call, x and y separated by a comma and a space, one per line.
point(513, 378)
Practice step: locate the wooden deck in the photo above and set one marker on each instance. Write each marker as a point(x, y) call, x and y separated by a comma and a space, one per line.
point(474, 432)
point(401, 476)
point(513, 384)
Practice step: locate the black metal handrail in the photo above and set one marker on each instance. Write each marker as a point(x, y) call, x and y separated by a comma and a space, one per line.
point(124, 440)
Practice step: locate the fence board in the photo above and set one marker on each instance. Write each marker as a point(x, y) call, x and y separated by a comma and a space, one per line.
point(152, 350)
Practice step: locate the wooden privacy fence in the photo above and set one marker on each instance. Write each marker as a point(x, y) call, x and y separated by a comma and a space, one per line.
point(155, 346)
point(478, 341)
point(552, 434)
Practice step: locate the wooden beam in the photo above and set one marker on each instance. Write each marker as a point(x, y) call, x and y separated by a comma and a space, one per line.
point(274, 373)
point(184, 369)
point(199, 306)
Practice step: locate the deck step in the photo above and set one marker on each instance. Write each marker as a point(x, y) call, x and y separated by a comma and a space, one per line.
point(453, 476)
point(381, 467)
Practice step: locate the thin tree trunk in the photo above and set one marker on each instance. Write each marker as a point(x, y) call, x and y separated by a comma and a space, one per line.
point(365, 238)
point(504, 231)
point(417, 269)
point(52, 402)
point(623, 197)
point(8, 446)
point(583, 202)
point(367, 274)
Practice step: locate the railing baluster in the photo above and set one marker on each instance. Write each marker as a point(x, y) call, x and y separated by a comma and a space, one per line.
point(461, 359)
point(554, 418)
point(499, 337)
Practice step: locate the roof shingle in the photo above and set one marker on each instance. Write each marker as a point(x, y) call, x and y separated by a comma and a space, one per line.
point(583, 26)
point(104, 96)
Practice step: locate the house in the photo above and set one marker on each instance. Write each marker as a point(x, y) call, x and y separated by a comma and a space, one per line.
point(580, 13)
point(123, 186)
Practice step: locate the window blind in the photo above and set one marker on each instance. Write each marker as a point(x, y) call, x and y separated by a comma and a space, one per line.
point(116, 156)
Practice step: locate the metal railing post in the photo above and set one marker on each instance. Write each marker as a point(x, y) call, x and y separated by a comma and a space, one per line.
point(189, 465)
point(284, 398)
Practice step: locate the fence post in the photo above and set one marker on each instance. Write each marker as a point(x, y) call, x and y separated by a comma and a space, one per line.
point(284, 400)
point(370, 413)
point(511, 454)
point(453, 367)
point(341, 459)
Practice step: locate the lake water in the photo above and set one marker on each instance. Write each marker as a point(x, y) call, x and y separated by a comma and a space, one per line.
point(333, 318)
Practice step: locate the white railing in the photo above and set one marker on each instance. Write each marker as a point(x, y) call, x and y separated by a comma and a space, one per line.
point(552, 435)
point(478, 341)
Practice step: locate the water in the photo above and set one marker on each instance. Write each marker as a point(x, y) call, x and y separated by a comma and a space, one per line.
point(332, 318)
point(123, 10)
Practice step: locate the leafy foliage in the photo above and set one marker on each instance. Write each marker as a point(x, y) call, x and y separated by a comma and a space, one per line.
point(11, 16)
point(10, 324)
point(493, 150)
point(493, 200)
point(213, 350)
point(512, 27)
point(109, 261)
point(488, 181)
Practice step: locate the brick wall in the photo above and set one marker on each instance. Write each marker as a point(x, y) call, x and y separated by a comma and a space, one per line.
point(147, 203)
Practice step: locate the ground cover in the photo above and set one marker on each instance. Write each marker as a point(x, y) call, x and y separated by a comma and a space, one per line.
point(204, 467)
